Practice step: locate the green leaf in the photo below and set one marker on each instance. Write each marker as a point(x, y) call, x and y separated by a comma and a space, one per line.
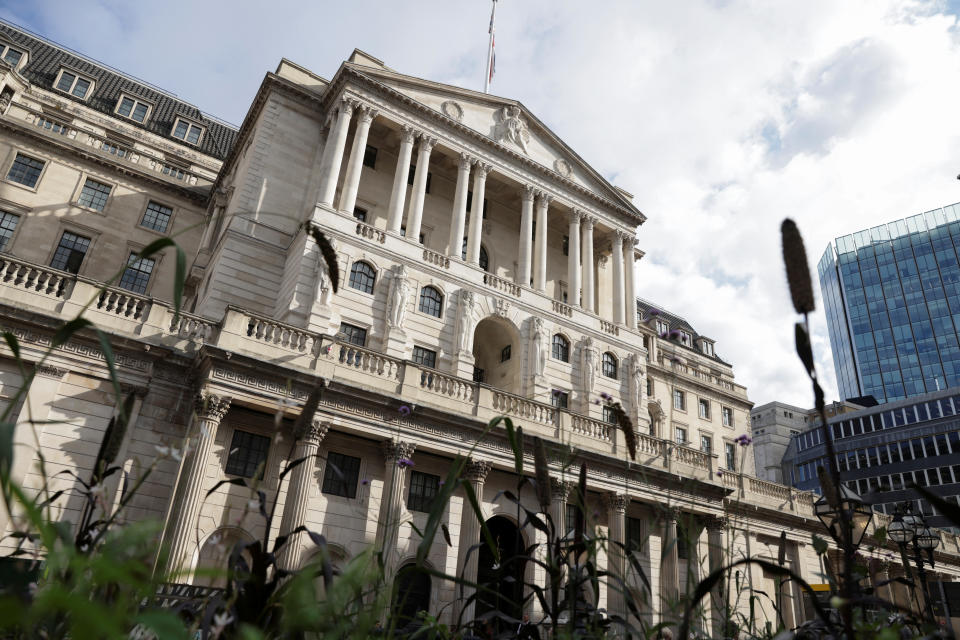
point(164, 624)
point(438, 508)
point(12, 342)
point(66, 331)
point(516, 444)
point(819, 545)
point(475, 505)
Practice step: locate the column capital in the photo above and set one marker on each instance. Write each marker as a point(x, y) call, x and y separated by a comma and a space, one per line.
point(366, 113)
point(617, 502)
point(466, 160)
point(395, 450)
point(559, 489)
point(427, 143)
point(588, 221)
point(714, 523)
point(577, 216)
point(477, 470)
point(620, 235)
point(211, 406)
point(407, 133)
point(669, 514)
point(346, 105)
point(528, 193)
point(314, 433)
point(545, 198)
point(483, 169)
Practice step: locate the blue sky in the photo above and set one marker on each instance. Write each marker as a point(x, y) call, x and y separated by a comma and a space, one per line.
point(721, 118)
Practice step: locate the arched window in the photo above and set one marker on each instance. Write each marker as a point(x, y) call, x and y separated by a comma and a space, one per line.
point(363, 277)
point(484, 258)
point(561, 348)
point(431, 301)
point(609, 365)
point(411, 593)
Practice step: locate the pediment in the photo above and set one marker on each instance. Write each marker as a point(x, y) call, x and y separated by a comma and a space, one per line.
point(504, 121)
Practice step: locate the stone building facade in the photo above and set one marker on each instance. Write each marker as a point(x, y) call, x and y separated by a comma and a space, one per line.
point(486, 270)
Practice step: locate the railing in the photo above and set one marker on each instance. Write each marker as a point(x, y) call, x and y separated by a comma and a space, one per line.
point(437, 259)
point(770, 489)
point(693, 457)
point(449, 386)
point(511, 405)
point(562, 308)
point(589, 427)
point(282, 335)
point(193, 327)
point(370, 362)
point(371, 233)
point(122, 303)
point(649, 445)
point(609, 327)
point(112, 149)
point(43, 280)
point(500, 284)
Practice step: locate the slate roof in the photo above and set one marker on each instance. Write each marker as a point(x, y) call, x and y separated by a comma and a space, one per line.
point(675, 322)
point(45, 60)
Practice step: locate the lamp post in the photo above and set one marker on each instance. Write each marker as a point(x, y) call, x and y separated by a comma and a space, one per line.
point(852, 509)
point(908, 528)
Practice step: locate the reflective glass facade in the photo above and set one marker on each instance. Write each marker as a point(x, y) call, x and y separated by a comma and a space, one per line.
point(892, 299)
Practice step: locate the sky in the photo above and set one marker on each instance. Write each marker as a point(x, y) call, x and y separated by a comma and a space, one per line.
point(721, 117)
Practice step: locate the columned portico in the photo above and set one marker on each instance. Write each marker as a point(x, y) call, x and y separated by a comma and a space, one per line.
point(630, 301)
point(459, 217)
point(351, 181)
point(399, 193)
point(298, 492)
point(415, 214)
point(525, 254)
point(618, 295)
point(573, 258)
point(616, 562)
point(396, 457)
point(476, 213)
point(475, 471)
point(540, 250)
point(588, 267)
point(209, 410)
point(333, 153)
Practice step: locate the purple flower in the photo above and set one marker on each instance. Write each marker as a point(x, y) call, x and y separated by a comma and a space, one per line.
point(557, 393)
point(605, 395)
point(720, 473)
point(653, 312)
point(743, 440)
point(441, 483)
point(663, 336)
point(674, 334)
point(404, 410)
point(365, 482)
point(596, 402)
point(403, 463)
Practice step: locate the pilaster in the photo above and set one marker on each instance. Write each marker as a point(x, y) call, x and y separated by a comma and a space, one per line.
point(298, 491)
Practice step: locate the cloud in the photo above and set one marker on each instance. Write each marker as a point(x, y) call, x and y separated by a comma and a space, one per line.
point(722, 117)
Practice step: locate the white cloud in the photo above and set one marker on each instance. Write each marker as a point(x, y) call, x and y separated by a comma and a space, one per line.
point(723, 118)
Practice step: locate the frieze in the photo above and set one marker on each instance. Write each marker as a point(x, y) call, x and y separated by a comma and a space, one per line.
point(46, 371)
point(273, 386)
point(24, 335)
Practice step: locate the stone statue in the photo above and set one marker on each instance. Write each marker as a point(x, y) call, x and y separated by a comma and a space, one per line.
point(465, 322)
point(588, 365)
point(637, 386)
point(511, 128)
point(397, 303)
point(538, 356)
point(323, 290)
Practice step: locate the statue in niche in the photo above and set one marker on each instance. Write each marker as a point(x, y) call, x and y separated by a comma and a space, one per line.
point(637, 386)
point(538, 353)
point(323, 290)
point(399, 290)
point(511, 128)
point(588, 365)
point(465, 322)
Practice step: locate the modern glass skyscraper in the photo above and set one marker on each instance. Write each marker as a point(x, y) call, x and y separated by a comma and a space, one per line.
point(892, 298)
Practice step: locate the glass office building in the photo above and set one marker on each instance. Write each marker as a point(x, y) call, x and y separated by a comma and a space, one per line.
point(892, 299)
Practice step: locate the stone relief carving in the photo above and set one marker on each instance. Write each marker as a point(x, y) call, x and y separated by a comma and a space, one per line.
point(399, 291)
point(503, 307)
point(588, 365)
point(562, 167)
point(637, 387)
point(538, 355)
point(511, 127)
point(452, 109)
point(465, 309)
point(322, 278)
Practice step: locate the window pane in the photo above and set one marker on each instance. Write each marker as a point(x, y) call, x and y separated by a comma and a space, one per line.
point(248, 452)
point(609, 365)
point(8, 224)
point(425, 357)
point(181, 130)
point(340, 475)
point(137, 274)
point(140, 112)
point(561, 348)
point(362, 277)
point(424, 487)
point(353, 334)
point(80, 89)
point(13, 56)
point(157, 217)
point(70, 252)
point(431, 302)
point(194, 135)
point(126, 106)
point(94, 195)
point(66, 81)
point(25, 170)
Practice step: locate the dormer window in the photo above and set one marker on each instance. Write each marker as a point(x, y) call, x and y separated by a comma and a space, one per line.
point(685, 339)
point(74, 84)
point(662, 327)
point(136, 110)
point(187, 131)
point(11, 56)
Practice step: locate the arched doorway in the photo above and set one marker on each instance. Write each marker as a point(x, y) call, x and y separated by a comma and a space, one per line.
point(497, 354)
point(504, 580)
point(411, 594)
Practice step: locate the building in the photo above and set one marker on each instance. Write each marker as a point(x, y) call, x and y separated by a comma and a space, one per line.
point(881, 450)
point(486, 270)
point(892, 298)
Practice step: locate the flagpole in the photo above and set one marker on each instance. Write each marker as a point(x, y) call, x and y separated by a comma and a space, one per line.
point(486, 80)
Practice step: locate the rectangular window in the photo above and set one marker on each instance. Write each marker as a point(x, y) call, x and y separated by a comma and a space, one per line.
point(609, 415)
point(12, 56)
point(340, 475)
point(425, 357)
point(133, 109)
point(706, 444)
point(730, 452)
point(424, 488)
point(704, 409)
point(726, 414)
point(679, 400)
point(505, 353)
point(570, 516)
point(187, 131)
point(52, 125)
point(370, 157)
point(681, 435)
point(73, 84)
point(559, 399)
point(156, 217)
point(566, 245)
point(478, 374)
point(25, 170)
point(137, 274)
point(360, 214)
point(8, 224)
point(634, 537)
point(94, 195)
point(70, 252)
point(353, 334)
point(248, 453)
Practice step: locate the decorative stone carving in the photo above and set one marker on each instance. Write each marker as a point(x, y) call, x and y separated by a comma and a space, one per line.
point(211, 406)
point(315, 432)
point(503, 307)
point(511, 127)
point(452, 109)
point(562, 167)
point(466, 161)
point(588, 365)
point(427, 143)
point(476, 470)
point(395, 450)
point(637, 387)
point(528, 193)
point(47, 371)
point(465, 320)
point(397, 301)
point(538, 354)
point(322, 278)
point(560, 490)
point(714, 523)
point(617, 501)
point(407, 134)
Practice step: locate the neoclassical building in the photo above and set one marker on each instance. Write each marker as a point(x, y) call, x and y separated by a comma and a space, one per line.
point(485, 270)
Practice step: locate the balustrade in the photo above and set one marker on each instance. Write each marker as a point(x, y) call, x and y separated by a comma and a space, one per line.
point(371, 233)
point(686, 455)
point(282, 335)
point(43, 280)
point(495, 282)
point(122, 303)
point(370, 362)
point(649, 445)
point(591, 428)
point(562, 308)
point(511, 405)
point(449, 386)
point(193, 327)
point(609, 327)
point(436, 259)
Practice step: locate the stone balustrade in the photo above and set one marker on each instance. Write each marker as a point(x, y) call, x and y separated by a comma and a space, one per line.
point(563, 309)
point(500, 284)
point(436, 259)
point(518, 407)
point(122, 303)
point(609, 327)
point(43, 280)
point(371, 233)
point(448, 386)
point(596, 429)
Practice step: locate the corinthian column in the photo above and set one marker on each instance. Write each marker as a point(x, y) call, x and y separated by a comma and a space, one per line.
point(333, 153)
point(396, 458)
point(573, 258)
point(476, 213)
point(617, 249)
point(616, 559)
point(455, 247)
point(298, 492)
point(399, 194)
point(415, 214)
point(715, 527)
point(475, 472)
point(540, 250)
point(669, 567)
point(630, 301)
point(526, 237)
point(210, 410)
point(351, 181)
point(589, 269)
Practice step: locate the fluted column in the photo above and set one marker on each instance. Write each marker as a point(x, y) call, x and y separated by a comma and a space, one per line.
point(415, 214)
point(559, 494)
point(526, 237)
point(396, 458)
point(476, 213)
point(630, 301)
point(399, 194)
point(455, 248)
point(588, 266)
point(298, 492)
point(210, 410)
point(573, 258)
point(333, 153)
point(540, 249)
point(351, 181)
point(475, 472)
point(617, 293)
point(616, 553)
point(718, 614)
point(669, 568)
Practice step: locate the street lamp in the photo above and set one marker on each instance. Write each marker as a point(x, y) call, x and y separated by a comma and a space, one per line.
point(851, 509)
point(908, 528)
